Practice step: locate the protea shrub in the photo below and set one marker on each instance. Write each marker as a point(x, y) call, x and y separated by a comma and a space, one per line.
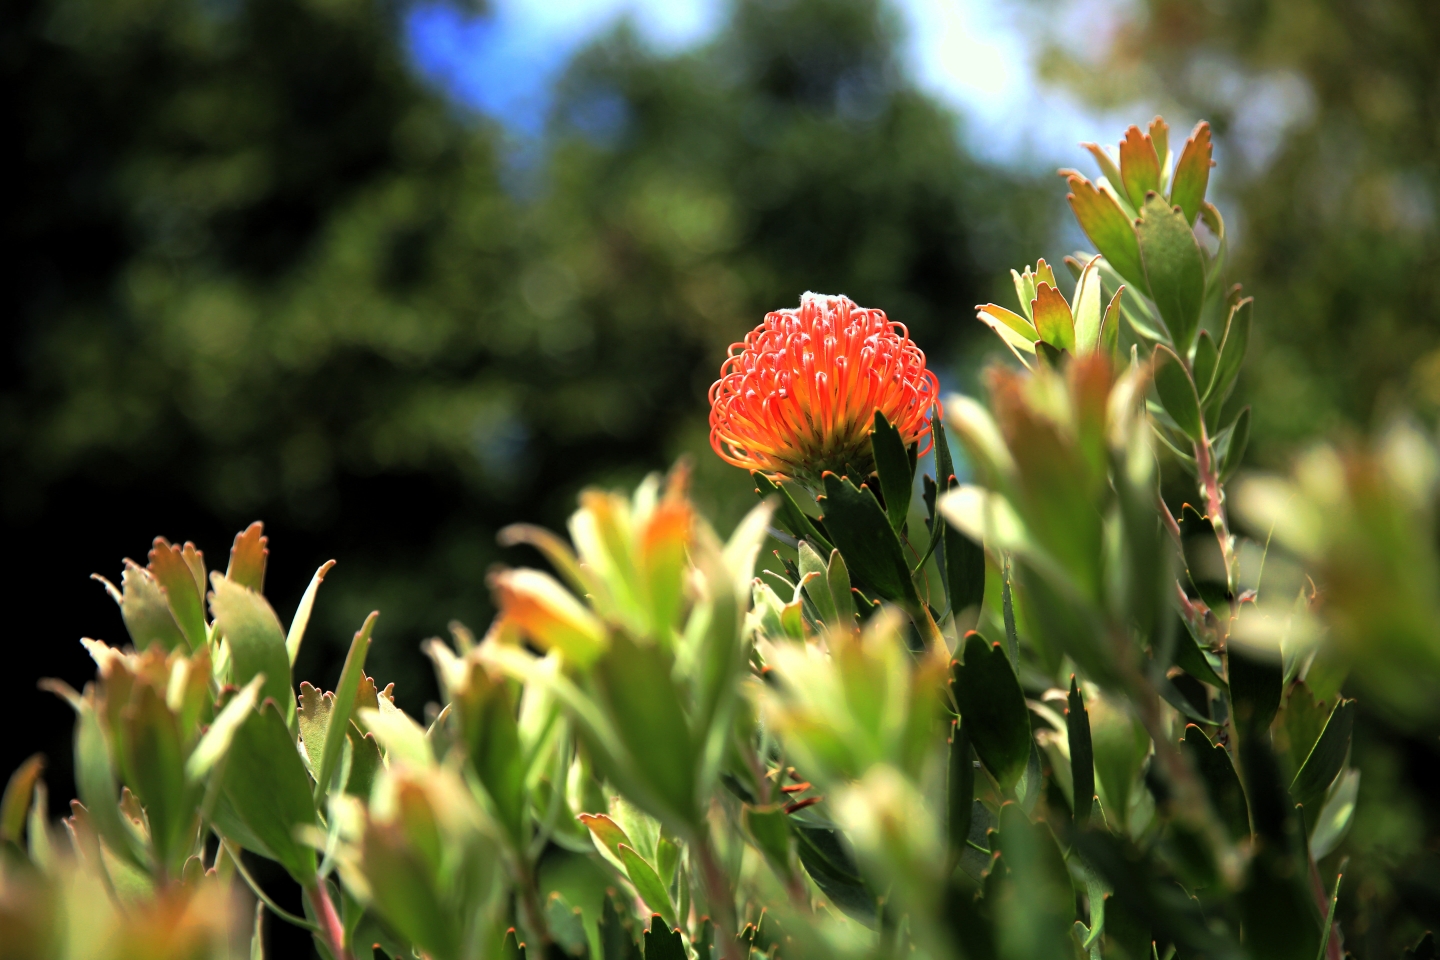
point(1017, 709)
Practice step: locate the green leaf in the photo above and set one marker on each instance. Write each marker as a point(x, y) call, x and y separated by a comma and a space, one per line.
point(607, 831)
point(345, 691)
point(960, 790)
point(1326, 759)
point(1036, 905)
point(992, 707)
point(1177, 392)
point(16, 802)
point(257, 644)
point(616, 942)
point(1333, 821)
point(1277, 910)
point(1222, 784)
point(154, 762)
point(1110, 324)
point(146, 611)
point(1082, 754)
point(639, 691)
point(797, 522)
point(663, 943)
point(828, 859)
point(1255, 688)
point(269, 790)
point(1234, 453)
point(567, 927)
point(769, 829)
point(486, 713)
point(647, 883)
point(1232, 353)
point(187, 604)
point(838, 577)
point(1190, 658)
point(817, 588)
point(1192, 173)
point(1087, 308)
point(1206, 356)
point(95, 782)
point(365, 762)
point(1108, 228)
point(964, 569)
point(302, 612)
point(892, 462)
point(1053, 319)
point(1174, 269)
point(863, 535)
point(1120, 745)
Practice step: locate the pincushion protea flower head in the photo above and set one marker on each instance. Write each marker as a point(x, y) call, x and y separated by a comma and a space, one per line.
point(798, 396)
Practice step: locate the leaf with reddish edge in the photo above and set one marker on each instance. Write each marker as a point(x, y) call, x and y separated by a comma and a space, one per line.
point(1192, 173)
point(1053, 319)
point(1139, 166)
point(187, 602)
point(248, 556)
point(607, 831)
point(146, 610)
point(1108, 228)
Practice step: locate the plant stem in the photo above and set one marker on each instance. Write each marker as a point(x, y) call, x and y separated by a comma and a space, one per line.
point(329, 921)
point(1214, 496)
point(530, 903)
point(722, 900)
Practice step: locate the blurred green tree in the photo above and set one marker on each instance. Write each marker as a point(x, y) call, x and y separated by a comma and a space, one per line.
point(259, 269)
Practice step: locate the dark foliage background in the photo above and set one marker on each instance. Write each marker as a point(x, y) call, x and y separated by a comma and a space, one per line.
point(255, 268)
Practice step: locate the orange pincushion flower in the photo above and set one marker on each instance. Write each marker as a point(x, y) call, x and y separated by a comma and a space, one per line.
point(799, 396)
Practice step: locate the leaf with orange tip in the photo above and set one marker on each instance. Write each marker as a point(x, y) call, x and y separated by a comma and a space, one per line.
point(664, 543)
point(1108, 228)
point(1052, 318)
point(606, 831)
point(187, 603)
point(1139, 166)
point(248, 556)
point(1192, 173)
point(146, 610)
point(548, 614)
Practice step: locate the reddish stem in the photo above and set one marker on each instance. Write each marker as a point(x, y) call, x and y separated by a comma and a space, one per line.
point(330, 926)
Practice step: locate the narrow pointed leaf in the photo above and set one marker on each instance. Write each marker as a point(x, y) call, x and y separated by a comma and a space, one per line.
point(892, 462)
point(1082, 755)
